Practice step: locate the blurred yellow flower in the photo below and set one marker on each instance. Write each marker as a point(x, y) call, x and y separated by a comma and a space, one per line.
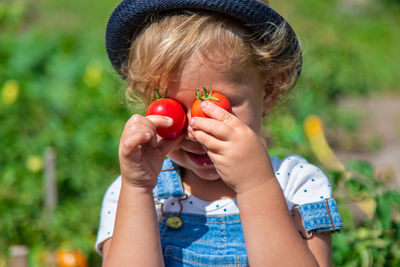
point(10, 92)
point(313, 125)
point(34, 163)
point(93, 74)
point(313, 128)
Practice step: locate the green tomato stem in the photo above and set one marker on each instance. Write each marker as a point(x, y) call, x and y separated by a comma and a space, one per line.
point(206, 95)
point(156, 95)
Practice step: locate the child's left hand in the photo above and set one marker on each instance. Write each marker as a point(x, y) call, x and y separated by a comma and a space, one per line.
point(239, 156)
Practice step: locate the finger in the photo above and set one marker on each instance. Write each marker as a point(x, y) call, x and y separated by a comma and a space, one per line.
point(210, 142)
point(140, 124)
point(160, 121)
point(149, 124)
point(132, 142)
point(137, 119)
point(151, 121)
point(211, 126)
point(189, 133)
point(218, 113)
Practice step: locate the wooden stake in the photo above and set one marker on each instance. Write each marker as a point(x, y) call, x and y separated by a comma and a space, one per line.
point(51, 197)
point(19, 256)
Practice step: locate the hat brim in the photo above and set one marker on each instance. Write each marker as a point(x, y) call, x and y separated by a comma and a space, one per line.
point(129, 15)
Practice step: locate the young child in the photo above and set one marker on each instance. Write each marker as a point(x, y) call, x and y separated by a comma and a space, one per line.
point(218, 199)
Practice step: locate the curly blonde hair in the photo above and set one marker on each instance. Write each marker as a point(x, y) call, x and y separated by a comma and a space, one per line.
point(160, 49)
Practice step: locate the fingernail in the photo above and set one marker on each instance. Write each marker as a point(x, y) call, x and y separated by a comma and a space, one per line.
point(169, 120)
point(192, 121)
point(190, 128)
point(203, 104)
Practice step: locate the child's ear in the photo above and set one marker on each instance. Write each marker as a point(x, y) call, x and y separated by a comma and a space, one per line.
point(273, 89)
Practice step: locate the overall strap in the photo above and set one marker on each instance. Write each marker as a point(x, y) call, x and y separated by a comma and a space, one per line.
point(169, 182)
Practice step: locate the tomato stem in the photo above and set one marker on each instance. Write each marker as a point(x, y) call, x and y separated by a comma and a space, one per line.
point(156, 95)
point(206, 95)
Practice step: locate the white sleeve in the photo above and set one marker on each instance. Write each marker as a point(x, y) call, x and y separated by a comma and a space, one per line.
point(107, 214)
point(301, 181)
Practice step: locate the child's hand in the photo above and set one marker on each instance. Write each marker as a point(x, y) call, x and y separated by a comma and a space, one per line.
point(239, 156)
point(141, 151)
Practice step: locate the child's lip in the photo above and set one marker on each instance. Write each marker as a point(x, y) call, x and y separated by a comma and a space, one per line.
point(200, 159)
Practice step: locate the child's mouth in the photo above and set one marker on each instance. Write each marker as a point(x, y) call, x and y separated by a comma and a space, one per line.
point(200, 159)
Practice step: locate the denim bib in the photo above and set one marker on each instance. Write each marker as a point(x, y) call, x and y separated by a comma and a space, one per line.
point(218, 240)
point(202, 240)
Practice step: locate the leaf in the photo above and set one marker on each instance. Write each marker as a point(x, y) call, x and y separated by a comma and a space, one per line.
point(384, 212)
point(362, 167)
point(365, 257)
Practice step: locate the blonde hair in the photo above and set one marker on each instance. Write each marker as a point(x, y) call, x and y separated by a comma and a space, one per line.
point(160, 49)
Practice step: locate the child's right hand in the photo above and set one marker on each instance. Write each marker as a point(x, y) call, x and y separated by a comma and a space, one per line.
point(142, 151)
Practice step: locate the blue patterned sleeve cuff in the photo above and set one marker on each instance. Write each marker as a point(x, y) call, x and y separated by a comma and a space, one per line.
point(321, 216)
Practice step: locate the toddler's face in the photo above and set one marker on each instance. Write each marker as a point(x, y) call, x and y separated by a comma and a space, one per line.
point(245, 93)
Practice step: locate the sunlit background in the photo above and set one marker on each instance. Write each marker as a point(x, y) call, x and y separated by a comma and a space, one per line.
point(62, 112)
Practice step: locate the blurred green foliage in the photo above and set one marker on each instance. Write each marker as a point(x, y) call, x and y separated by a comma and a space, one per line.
point(59, 90)
point(374, 241)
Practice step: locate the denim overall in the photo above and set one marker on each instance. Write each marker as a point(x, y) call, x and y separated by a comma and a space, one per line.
point(218, 240)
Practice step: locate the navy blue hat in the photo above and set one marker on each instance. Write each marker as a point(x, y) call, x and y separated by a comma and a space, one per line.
point(129, 16)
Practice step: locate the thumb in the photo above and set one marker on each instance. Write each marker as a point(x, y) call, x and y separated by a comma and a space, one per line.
point(166, 145)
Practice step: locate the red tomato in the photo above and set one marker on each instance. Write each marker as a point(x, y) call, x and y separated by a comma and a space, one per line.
point(216, 98)
point(170, 108)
